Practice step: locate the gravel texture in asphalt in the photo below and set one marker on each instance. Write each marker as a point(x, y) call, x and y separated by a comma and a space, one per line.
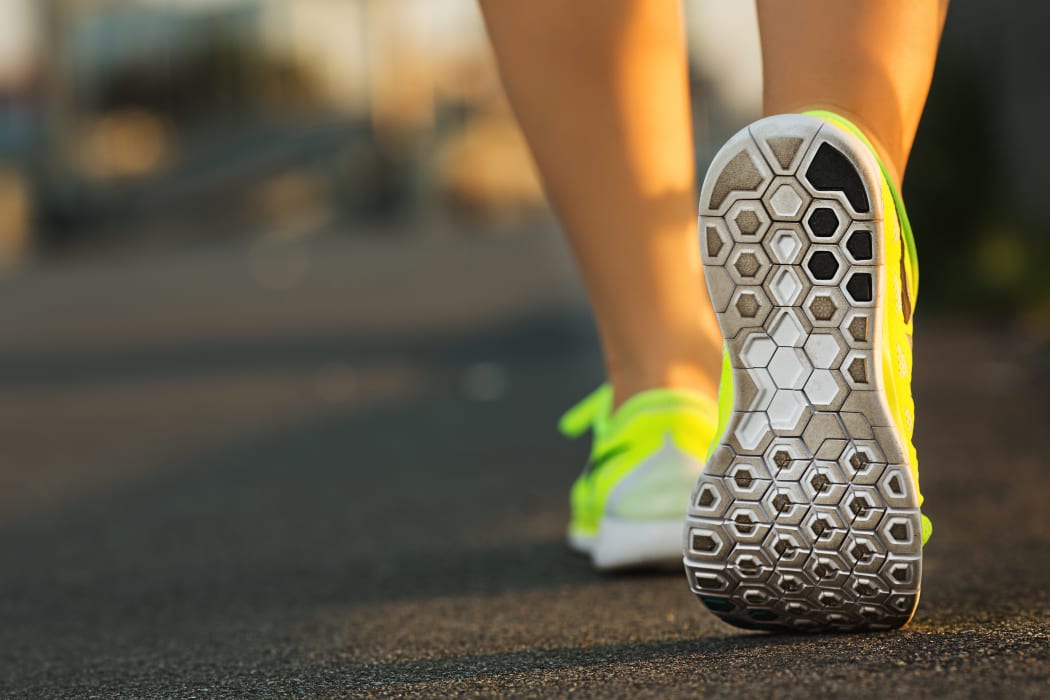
point(332, 471)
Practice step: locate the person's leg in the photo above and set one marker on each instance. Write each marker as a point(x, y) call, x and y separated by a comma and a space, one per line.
point(806, 230)
point(600, 88)
point(869, 60)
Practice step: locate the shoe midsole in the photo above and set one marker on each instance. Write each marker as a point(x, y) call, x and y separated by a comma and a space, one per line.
point(624, 543)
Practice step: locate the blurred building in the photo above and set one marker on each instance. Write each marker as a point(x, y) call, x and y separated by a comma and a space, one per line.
point(166, 122)
point(119, 114)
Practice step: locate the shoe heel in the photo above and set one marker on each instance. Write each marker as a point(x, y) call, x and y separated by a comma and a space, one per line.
point(806, 516)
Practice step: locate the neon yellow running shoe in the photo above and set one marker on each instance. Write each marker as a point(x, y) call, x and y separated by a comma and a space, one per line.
point(807, 513)
point(629, 503)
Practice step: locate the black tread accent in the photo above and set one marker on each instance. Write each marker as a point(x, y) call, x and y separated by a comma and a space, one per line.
point(859, 245)
point(823, 265)
point(823, 222)
point(832, 171)
point(859, 287)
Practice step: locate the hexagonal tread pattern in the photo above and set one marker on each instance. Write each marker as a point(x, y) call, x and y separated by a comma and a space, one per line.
point(802, 519)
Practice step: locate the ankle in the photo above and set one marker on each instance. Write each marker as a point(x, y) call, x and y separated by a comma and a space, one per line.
point(681, 376)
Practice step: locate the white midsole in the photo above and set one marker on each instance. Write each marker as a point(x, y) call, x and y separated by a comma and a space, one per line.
point(622, 543)
point(581, 544)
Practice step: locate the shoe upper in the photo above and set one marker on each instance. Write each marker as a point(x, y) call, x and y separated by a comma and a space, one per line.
point(645, 456)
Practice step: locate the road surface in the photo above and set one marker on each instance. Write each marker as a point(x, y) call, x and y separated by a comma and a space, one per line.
point(330, 469)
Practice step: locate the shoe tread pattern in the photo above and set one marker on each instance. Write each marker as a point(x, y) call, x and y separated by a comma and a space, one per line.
point(806, 516)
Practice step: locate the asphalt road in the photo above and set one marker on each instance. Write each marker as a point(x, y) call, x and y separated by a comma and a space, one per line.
point(332, 470)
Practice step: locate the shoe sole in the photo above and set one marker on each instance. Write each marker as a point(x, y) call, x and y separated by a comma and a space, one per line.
point(806, 516)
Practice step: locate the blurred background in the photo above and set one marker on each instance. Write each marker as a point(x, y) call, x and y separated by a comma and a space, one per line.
point(284, 316)
point(137, 125)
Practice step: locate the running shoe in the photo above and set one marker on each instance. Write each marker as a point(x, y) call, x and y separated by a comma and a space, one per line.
point(629, 503)
point(806, 516)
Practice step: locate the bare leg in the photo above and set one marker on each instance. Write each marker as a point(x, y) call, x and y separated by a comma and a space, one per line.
point(600, 88)
point(869, 60)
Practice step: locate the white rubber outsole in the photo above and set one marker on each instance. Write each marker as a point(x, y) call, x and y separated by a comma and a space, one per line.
point(806, 516)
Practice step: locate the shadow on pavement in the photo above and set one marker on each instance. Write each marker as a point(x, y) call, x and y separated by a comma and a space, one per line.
point(428, 526)
point(863, 665)
point(535, 338)
point(343, 505)
point(484, 666)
